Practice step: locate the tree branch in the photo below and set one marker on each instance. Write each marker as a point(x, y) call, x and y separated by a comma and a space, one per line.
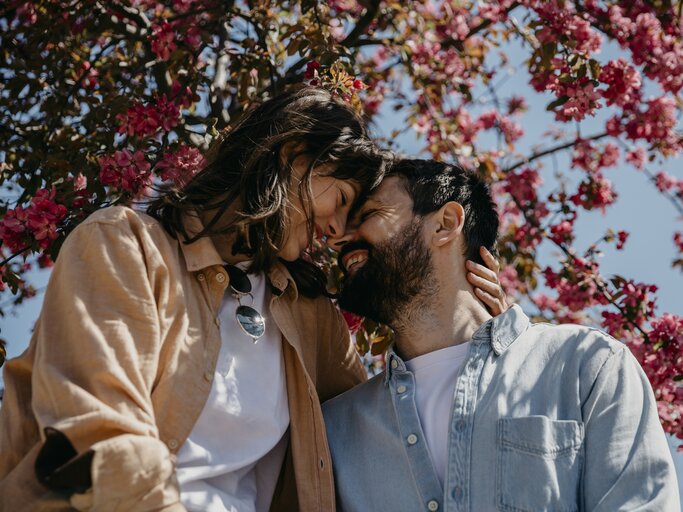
point(546, 152)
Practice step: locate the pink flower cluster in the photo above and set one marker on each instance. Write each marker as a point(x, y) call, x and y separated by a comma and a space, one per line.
point(590, 158)
point(576, 284)
point(180, 165)
point(623, 83)
point(662, 362)
point(511, 130)
point(582, 99)
point(144, 120)
point(561, 23)
point(522, 186)
point(659, 51)
point(163, 40)
point(655, 125)
point(126, 170)
point(665, 182)
point(354, 321)
point(594, 192)
point(39, 221)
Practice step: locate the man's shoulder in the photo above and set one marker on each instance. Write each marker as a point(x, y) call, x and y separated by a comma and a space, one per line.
point(356, 399)
point(574, 337)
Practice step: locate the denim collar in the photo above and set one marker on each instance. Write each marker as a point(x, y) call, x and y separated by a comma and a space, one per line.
point(500, 331)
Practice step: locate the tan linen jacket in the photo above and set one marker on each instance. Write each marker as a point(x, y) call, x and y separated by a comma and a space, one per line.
point(121, 362)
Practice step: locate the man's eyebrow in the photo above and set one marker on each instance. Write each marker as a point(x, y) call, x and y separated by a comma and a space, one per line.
point(359, 203)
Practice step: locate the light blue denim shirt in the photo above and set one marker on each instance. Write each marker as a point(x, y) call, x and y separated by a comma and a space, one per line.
point(544, 417)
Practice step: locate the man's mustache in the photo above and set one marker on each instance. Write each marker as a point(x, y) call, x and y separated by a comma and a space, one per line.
point(354, 245)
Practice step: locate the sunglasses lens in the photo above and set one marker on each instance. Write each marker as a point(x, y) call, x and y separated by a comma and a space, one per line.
point(239, 281)
point(251, 321)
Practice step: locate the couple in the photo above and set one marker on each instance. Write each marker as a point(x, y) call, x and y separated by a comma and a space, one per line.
point(181, 357)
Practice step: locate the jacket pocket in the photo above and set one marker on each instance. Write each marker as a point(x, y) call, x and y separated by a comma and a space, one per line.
point(539, 464)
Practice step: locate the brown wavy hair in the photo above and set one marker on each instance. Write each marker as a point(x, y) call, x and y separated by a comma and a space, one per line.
point(247, 167)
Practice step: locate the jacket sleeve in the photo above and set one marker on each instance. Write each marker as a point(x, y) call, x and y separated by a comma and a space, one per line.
point(341, 367)
point(97, 352)
point(628, 465)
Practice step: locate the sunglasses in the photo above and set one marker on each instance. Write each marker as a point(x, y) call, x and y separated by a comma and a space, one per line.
point(250, 320)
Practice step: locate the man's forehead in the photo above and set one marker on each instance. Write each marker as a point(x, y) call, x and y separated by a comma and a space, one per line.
point(390, 192)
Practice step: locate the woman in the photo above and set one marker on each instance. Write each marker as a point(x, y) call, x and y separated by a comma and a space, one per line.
point(180, 357)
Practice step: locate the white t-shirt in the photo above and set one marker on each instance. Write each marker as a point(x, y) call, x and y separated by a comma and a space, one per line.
point(435, 374)
point(232, 458)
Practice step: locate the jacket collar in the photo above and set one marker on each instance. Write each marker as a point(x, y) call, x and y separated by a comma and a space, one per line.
point(202, 253)
point(500, 331)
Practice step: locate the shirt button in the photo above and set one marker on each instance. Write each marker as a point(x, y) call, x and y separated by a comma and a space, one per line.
point(401, 389)
point(457, 492)
point(394, 364)
point(433, 505)
point(208, 376)
point(200, 277)
point(220, 277)
point(412, 439)
point(172, 444)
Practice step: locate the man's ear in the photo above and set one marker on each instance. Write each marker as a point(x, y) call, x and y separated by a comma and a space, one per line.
point(448, 223)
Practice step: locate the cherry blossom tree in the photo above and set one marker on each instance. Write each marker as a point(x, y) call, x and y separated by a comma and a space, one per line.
point(100, 102)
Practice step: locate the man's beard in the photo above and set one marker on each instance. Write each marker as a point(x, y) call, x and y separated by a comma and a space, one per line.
point(396, 273)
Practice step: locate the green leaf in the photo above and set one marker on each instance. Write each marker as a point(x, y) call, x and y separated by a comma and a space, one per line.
point(558, 102)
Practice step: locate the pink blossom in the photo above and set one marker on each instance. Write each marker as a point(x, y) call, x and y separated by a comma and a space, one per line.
point(125, 170)
point(180, 165)
point(623, 82)
point(517, 104)
point(522, 185)
point(40, 219)
point(488, 119)
point(678, 240)
point(562, 232)
point(163, 41)
point(664, 181)
point(80, 182)
point(312, 68)
point(43, 216)
point(511, 130)
point(509, 279)
point(144, 120)
point(545, 303)
point(594, 192)
point(636, 157)
point(582, 98)
point(353, 321)
point(13, 228)
point(656, 124)
point(622, 236)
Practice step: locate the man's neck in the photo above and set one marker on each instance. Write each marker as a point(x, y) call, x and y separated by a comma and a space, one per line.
point(440, 323)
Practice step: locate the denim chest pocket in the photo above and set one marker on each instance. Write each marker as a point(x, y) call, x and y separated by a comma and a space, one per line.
point(539, 464)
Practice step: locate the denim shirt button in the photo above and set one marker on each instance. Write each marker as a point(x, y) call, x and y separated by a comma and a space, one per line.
point(394, 364)
point(457, 492)
point(401, 389)
point(412, 439)
point(433, 505)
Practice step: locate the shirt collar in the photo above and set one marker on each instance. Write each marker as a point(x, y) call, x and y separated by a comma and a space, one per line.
point(500, 331)
point(202, 253)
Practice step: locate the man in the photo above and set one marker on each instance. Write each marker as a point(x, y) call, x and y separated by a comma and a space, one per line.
point(475, 413)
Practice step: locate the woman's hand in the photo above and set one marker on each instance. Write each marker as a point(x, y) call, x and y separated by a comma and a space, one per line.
point(484, 279)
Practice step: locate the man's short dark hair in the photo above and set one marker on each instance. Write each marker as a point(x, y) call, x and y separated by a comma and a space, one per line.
point(431, 184)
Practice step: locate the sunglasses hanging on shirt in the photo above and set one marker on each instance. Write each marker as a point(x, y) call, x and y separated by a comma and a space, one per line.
point(250, 320)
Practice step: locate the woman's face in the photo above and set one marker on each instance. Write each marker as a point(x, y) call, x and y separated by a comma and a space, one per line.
point(331, 199)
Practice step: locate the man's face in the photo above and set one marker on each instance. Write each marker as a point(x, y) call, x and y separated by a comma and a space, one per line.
point(385, 260)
